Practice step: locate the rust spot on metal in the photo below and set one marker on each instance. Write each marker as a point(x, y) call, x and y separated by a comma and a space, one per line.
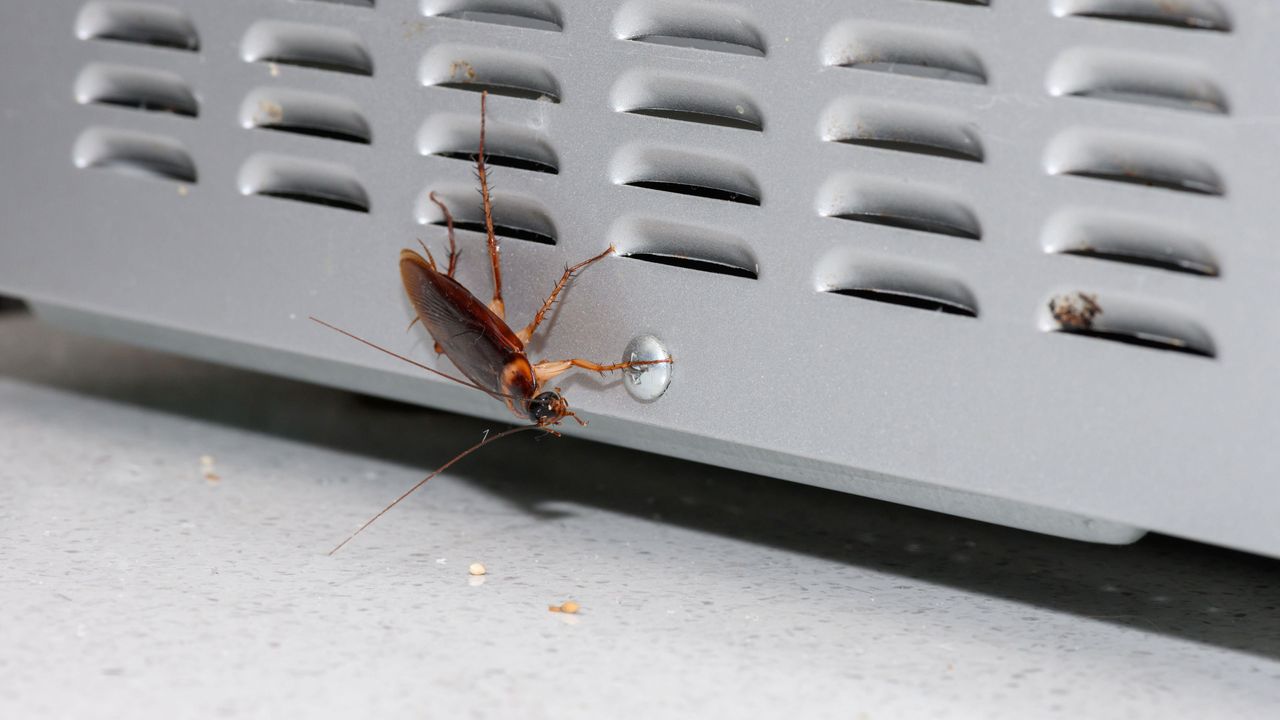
point(1075, 311)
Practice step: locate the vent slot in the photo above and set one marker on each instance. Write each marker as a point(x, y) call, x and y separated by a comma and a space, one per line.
point(895, 282)
point(1139, 79)
point(357, 3)
point(901, 128)
point(685, 246)
point(902, 51)
point(1125, 320)
point(305, 113)
point(309, 181)
point(137, 22)
point(1131, 240)
point(1133, 159)
point(136, 88)
point(500, 72)
point(134, 153)
point(514, 216)
point(699, 25)
point(309, 46)
point(1186, 14)
point(677, 171)
point(529, 14)
point(981, 3)
point(687, 99)
point(898, 205)
point(458, 137)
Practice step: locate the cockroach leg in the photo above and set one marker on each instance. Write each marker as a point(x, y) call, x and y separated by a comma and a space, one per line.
point(448, 222)
point(548, 369)
point(569, 274)
point(430, 259)
point(498, 307)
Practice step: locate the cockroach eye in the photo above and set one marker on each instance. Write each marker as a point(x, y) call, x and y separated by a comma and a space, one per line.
point(545, 406)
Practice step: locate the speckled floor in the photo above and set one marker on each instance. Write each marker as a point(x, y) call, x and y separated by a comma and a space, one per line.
point(136, 583)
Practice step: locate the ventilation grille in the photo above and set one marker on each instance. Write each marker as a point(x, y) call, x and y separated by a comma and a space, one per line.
point(911, 215)
point(135, 88)
point(326, 118)
point(902, 195)
point(1142, 165)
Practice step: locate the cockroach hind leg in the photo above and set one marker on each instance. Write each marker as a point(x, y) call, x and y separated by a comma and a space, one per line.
point(486, 199)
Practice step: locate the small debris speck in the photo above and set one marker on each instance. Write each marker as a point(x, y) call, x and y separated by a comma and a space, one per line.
point(476, 569)
point(567, 606)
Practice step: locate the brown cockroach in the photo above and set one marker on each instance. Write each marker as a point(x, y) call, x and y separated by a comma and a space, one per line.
point(476, 337)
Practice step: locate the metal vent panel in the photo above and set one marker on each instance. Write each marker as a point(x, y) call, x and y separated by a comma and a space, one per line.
point(1009, 260)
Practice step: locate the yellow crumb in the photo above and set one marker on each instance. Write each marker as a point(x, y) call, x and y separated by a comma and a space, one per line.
point(476, 569)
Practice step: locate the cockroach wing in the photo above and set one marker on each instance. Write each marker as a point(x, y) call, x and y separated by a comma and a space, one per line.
point(478, 342)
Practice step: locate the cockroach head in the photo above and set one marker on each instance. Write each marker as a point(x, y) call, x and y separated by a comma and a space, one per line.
point(548, 408)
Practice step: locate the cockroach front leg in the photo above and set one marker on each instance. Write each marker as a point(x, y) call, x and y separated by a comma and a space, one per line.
point(548, 369)
point(453, 244)
point(569, 274)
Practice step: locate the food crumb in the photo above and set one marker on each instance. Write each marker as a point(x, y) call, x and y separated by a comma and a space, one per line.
point(569, 607)
point(476, 569)
point(206, 469)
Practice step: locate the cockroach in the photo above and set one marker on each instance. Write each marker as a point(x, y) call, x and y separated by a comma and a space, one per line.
point(476, 337)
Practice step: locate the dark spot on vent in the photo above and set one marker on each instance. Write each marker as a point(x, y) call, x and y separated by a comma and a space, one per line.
point(513, 91)
point(356, 3)
point(1127, 321)
point(529, 14)
point(691, 263)
point(1149, 176)
point(305, 113)
point(1155, 342)
point(506, 144)
point(694, 116)
point(1133, 240)
point(684, 246)
point(303, 180)
point(701, 26)
point(1185, 14)
point(678, 171)
point(500, 230)
point(1191, 267)
point(902, 128)
point(136, 88)
point(1133, 159)
point(310, 46)
point(901, 205)
point(499, 72)
point(1075, 311)
point(137, 22)
point(901, 50)
point(514, 216)
point(711, 193)
point(906, 300)
point(502, 161)
point(895, 282)
point(134, 153)
point(1135, 78)
point(687, 99)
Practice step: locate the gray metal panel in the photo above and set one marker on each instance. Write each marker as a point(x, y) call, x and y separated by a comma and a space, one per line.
point(1001, 135)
